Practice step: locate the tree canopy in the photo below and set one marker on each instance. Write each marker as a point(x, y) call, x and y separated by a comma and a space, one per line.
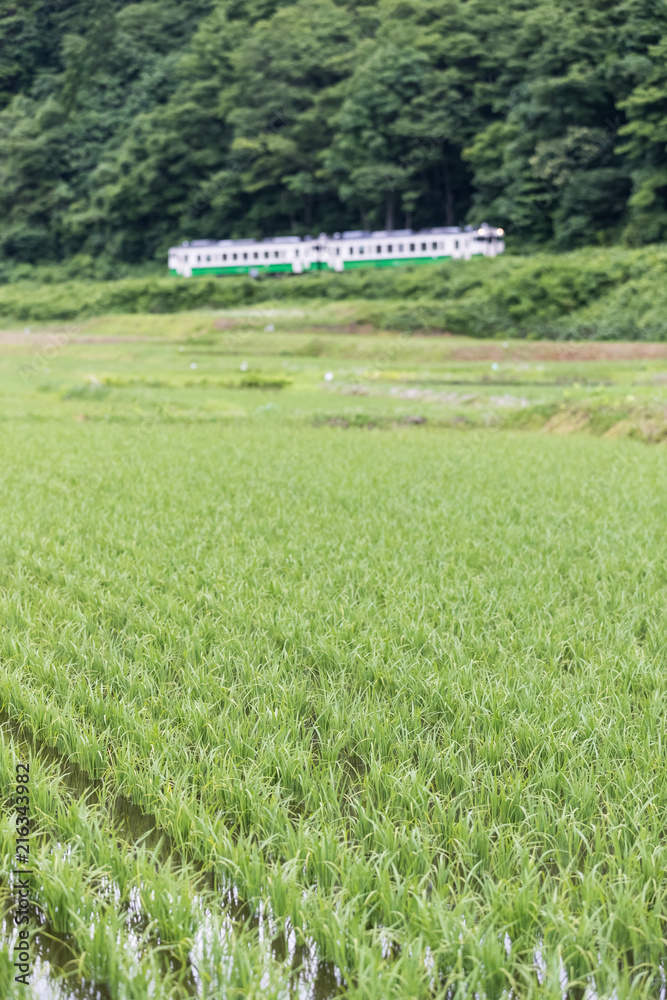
point(127, 127)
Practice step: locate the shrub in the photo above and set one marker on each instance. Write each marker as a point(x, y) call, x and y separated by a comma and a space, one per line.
point(594, 293)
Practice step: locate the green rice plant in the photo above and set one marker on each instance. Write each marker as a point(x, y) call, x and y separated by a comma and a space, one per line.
point(400, 698)
point(83, 889)
point(7, 973)
point(168, 901)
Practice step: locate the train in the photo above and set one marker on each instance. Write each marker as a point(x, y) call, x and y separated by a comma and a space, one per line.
point(340, 252)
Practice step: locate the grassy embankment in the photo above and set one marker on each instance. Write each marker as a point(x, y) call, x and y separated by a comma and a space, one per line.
point(612, 294)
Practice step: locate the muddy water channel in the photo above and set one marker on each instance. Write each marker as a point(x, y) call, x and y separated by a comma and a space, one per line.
point(54, 955)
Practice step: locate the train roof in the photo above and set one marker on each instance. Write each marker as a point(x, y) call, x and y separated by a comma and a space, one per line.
point(361, 234)
point(246, 242)
point(347, 234)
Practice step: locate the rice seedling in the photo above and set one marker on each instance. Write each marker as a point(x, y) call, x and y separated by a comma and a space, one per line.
point(391, 705)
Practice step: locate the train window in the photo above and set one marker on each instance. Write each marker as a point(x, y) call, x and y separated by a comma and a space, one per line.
point(224, 256)
point(234, 256)
point(412, 248)
point(296, 253)
point(434, 246)
point(361, 249)
point(198, 259)
point(337, 251)
point(245, 256)
point(351, 251)
point(255, 256)
point(276, 254)
point(266, 255)
point(185, 259)
point(208, 257)
point(400, 248)
point(456, 244)
point(390, 248)
point(423, 246)
point(378, 248)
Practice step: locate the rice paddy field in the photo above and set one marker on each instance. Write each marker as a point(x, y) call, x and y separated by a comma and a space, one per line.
point(338, 657)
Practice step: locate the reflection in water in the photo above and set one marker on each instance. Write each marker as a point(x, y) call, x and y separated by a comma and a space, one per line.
point(54, 955)
point(52, 958)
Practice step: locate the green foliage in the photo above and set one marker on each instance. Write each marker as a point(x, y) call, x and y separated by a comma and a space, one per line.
point(645, 145)
point(127, 127)
point(608, 294)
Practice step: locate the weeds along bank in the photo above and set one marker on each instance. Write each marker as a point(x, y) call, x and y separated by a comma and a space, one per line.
point(406, 697)
point(607, 294)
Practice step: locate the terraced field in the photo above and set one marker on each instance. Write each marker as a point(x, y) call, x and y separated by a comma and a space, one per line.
point(347, 686)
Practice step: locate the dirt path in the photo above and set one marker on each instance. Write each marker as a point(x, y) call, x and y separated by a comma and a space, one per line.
point(471, 350)
point(59, 338)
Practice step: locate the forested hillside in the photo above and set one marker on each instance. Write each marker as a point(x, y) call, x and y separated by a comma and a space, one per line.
point(125, 127)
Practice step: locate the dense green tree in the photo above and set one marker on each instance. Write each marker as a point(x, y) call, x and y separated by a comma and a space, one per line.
point(369, 156)
point(549, 170)
point(125, 127)
point(280, 109)
point(114, 68)
point(644, 141)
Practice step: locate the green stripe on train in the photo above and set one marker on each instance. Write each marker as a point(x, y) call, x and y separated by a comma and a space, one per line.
point(198, 272)
point(286, 268)
point(393, 262)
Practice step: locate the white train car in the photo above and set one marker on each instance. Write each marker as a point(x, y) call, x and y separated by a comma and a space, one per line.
point(350, 250)
point(340, 252)
point(284, 254)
